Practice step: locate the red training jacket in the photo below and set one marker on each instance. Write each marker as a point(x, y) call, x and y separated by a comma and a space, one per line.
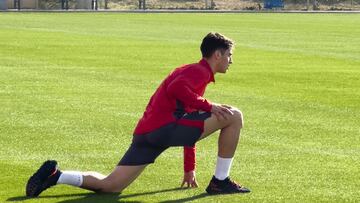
point(185, 84)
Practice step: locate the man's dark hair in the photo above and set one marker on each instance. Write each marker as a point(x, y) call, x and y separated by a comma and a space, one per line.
point(213, 42)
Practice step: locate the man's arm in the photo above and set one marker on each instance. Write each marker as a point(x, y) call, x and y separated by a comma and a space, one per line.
point(189, 167)
point(182, 88)
point(189, 158)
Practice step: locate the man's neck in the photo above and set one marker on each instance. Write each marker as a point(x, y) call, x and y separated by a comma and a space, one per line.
point(212, 64)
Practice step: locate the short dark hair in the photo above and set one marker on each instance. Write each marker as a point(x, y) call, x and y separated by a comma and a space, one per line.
point(214, 41)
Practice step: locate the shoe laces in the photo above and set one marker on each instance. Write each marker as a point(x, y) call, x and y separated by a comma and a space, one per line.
point(234, 183)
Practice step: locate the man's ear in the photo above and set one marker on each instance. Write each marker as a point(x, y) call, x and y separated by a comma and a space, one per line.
point(217, 54)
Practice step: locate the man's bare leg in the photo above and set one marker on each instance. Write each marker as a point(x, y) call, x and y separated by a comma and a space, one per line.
point(230, 126)
point(229, 134)
point(118, 180)
point(49, 175)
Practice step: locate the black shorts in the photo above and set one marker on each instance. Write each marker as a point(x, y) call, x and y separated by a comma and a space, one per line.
point(145, 148)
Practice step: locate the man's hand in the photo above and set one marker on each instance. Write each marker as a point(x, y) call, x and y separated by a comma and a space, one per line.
point(221, 112)
point(189, 179)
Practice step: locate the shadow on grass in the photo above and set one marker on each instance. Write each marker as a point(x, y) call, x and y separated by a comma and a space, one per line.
point(187, 199)
point(94, 197)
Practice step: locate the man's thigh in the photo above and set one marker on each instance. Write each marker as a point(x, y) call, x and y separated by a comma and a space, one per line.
point(185, 131)
point(141, 152)
point(213, 124)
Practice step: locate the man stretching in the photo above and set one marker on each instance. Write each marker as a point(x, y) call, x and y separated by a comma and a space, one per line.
point(176, 115)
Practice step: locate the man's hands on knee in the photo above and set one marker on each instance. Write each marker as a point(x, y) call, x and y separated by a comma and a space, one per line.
point(189, 179)
point(221, 111)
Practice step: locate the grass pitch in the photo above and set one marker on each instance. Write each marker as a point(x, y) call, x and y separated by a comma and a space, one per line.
point(73, 85)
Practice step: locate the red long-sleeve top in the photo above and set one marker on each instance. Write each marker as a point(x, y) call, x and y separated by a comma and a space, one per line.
point(185, 84)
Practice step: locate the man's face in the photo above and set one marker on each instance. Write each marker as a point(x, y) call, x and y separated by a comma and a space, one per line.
point(224, 60)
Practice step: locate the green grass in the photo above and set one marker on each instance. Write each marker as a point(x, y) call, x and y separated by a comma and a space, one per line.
point(72, 87)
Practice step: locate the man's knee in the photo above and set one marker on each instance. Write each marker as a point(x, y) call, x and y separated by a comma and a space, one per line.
point(238, 117)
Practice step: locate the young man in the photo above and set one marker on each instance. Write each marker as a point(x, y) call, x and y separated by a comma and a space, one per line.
point(176, 115)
